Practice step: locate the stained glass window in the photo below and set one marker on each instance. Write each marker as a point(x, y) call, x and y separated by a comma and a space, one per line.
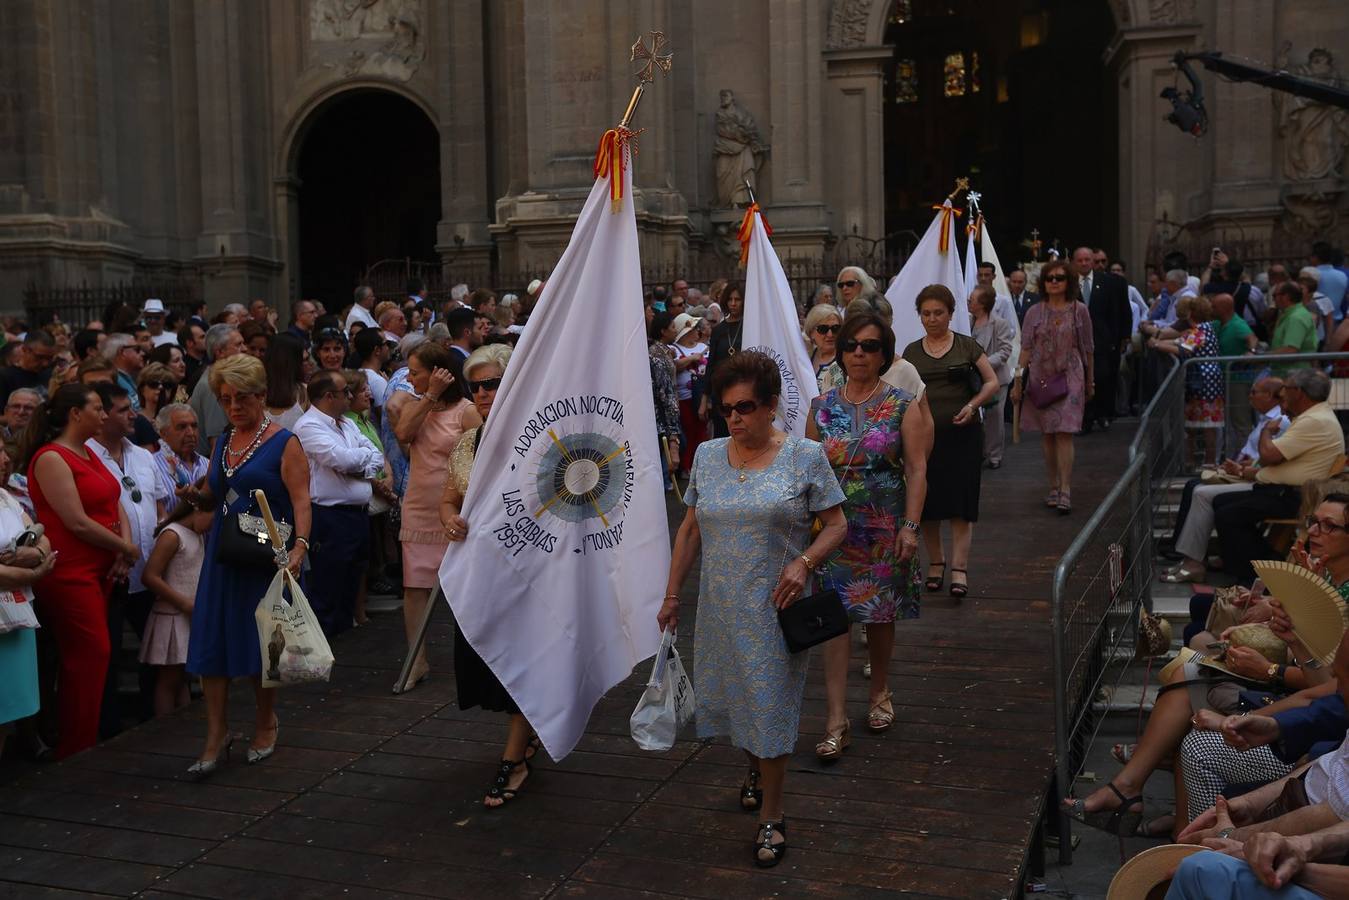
point(906, 81)
point(902, 12)
point(954, 83)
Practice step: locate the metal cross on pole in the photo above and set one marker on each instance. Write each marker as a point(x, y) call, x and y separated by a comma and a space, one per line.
point(656, 56)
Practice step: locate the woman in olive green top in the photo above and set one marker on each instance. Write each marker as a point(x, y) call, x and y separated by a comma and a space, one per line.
point(951, 365)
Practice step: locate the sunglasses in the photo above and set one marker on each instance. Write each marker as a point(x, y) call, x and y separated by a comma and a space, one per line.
point(135, 491)
point(487, 384)
point(744, 408)
point(828, 329)
point(162, 385)
point(850, 283)
point(868, 345)
point(1056, 278)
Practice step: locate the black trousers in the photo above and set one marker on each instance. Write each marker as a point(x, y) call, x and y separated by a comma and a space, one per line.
point(1238, 515)
point(341, 551)
point(132, 609)
point(1105, 372)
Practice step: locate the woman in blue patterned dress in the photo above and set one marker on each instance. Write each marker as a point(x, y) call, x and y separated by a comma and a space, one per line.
point(1205, 405)
point(752, 499)
point(865, 433)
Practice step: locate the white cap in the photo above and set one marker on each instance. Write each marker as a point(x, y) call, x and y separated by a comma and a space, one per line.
point(533, 288)
point(154, 306)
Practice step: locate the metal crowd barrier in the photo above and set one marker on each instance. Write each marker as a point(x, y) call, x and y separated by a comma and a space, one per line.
point(1105, 578)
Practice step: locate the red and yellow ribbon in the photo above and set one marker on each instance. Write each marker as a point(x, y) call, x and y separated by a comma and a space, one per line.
point(975, 228)
point(611, 163)
point(947, 211)
point(747, 228)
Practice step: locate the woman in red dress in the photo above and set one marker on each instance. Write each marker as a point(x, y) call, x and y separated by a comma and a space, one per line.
point(76, 498)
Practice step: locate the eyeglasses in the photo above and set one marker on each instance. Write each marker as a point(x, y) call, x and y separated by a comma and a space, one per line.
point(162, 385)
point(744, 408)
point(828, 329)
point(131, 485)
point(868, 345)
point(1323, 526)
point(1055, 278)
point(487, 384)
point(849, 283)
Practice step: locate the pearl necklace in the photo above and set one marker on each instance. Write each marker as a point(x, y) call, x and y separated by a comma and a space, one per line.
point(247, 453)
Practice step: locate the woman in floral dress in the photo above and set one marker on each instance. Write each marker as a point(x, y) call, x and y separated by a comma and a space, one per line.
point(864, 430)
point(1205, 405)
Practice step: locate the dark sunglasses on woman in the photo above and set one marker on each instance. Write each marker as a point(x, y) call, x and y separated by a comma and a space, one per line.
point(828, 329)
point(162, 385)
point(1056, 277)
point(744, 408)
point(487, 384)
point(868, 345)
point(849, 283)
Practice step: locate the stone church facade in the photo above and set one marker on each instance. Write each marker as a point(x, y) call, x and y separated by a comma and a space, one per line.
point(163, 137)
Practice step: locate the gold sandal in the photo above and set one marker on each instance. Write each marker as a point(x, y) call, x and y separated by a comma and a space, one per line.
point(833, 745)
point(880, 718)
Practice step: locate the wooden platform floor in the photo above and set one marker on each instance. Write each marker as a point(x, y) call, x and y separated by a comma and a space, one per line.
point(372, 795)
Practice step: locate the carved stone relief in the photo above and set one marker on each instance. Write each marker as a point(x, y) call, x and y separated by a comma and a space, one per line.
point(368, 37)
point(1314, 137)
point(848, 23)
point(1169, 12)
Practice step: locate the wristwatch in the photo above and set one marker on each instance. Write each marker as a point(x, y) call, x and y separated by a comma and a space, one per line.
point(909, 524)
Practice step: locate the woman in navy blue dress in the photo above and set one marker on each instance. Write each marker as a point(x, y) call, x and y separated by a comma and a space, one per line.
point(254, 453)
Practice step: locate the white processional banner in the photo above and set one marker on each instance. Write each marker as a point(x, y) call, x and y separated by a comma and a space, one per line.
point(558, 585)
point(772, 326)
point(936, 260)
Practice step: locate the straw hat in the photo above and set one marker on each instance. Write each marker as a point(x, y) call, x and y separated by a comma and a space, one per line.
point(1148, 875)
point(683, 324)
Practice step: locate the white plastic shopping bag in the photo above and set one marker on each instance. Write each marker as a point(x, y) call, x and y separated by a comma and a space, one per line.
point(294, 649)
point(16, 611)
point(667, 703)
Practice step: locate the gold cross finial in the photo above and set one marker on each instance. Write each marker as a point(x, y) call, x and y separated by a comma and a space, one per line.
point(962, 184)
point(656, 56)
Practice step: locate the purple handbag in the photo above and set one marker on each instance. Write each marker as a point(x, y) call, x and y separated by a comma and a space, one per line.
point(1045, 392)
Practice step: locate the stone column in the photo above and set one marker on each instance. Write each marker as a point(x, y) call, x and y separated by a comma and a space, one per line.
point(854, 120)
point(457, 52)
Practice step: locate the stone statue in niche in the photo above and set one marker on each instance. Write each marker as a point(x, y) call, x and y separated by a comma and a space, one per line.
point(368, 37)
point(739, 150)
point(1314, 134)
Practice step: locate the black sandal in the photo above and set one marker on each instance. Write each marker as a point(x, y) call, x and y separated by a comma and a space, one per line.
point(934, 584)
point(533, 746)
point(1120, 821)
point(959, 590)
point(751, 795)
point(499, 790)
point(764, 841)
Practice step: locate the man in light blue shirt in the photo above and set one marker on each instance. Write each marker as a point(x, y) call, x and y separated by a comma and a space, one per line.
point(1333, 282)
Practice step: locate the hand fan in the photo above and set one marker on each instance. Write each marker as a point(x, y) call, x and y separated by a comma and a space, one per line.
point(1313, 604)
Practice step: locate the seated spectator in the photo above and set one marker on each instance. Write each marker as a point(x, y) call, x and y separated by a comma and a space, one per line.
point(1309, 450)
point(1194, 521)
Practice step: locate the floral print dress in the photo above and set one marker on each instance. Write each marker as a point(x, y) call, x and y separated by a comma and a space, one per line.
point(1204, 401)
point(864, 446)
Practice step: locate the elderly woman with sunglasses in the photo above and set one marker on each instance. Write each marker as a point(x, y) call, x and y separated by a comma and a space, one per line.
point(822, 326)
point(752, 500)
point(1056, 361)
point(879, 453)
point(155, 387)
point(477, 685)
point(959, 381)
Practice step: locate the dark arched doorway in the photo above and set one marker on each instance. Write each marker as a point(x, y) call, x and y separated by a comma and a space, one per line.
point(369, 173)
point(1013, 95)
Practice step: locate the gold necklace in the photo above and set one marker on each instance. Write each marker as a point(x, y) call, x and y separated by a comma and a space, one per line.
point(949, 344)
point(864, 401)
point(745, 462)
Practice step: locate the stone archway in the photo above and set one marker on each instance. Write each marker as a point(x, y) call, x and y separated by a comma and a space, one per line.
point(364, 185)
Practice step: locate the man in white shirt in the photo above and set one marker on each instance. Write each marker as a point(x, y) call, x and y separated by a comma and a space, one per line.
point(342, 463)
point(134, 469)
point(364, 301)
point(178, 464)
point(372, 352)
point(153, 315)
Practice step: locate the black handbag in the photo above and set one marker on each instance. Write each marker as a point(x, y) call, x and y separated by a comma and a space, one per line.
point(243, 541)
point(813, 620)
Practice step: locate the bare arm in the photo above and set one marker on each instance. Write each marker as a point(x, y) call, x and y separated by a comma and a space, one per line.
point(295, 476)
point(166, 545)
point(58, 485)
point(688, 541)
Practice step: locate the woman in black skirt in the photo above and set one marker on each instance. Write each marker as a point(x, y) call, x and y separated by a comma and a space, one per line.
point(477, 685)
point(959, 380)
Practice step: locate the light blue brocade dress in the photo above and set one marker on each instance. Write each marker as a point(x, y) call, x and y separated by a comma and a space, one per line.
point(747, 684)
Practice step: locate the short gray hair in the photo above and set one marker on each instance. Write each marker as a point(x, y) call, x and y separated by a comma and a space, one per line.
point(1180, 276)
point(487, 354)
point(216, 338)
point(17, 391)
point(115, 344)
point(165, 416)
point(459, 292)
point(362, 292)
point(411, 341)
point(237, 308)
point(1310, 272)
point(1312, 382)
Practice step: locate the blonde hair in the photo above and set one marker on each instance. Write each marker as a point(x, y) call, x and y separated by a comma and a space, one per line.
point(816, 316)
point(241, 372)
point(487, 354)
point(1194, 308)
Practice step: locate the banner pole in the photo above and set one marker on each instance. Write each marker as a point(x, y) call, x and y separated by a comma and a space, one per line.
point(401, 684)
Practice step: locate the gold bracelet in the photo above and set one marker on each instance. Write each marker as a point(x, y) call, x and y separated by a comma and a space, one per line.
point(810, 563)
point(674, 597)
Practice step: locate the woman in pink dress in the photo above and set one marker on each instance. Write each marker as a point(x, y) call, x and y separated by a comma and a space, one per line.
point(1056, 338)
point(429, 424)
